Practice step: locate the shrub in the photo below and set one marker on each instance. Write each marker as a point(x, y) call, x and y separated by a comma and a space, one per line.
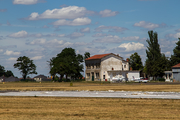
point(161, 79)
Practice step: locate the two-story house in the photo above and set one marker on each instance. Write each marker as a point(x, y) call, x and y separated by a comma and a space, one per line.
point(106, 66)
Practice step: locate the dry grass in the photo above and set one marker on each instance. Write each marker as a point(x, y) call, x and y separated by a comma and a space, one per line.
point(65, 86)
point(48, 108)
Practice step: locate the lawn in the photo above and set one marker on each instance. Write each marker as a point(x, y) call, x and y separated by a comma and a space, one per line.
point(91, 86)
point(55, 108)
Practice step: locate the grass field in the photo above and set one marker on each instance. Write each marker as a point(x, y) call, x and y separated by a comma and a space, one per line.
point(55, 108)
point(91, 86)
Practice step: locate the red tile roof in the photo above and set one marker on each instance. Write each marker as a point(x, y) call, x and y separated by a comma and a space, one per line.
point(98, 56)
point(178, 65)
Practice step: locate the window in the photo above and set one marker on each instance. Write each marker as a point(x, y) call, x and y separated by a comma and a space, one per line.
point(88, 75)
point(97, 75)
point(97, 65)
point(88, 66)
point(124, 66)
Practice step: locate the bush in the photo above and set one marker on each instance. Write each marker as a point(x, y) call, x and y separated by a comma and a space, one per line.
point(161, 79)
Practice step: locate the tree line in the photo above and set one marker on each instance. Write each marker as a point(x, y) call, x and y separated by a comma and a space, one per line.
point(156, 62)
point(69, 64)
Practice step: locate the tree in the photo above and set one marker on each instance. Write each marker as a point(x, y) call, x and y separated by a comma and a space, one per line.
point(8, 73)
point(86, 55)
point(155, 64)
point(2, 71)
point(67, 63)
point(26, 66)
point(135, 61)
point(175, 58)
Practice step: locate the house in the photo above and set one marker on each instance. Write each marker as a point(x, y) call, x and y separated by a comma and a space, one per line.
point(104, 67)
point(176, 72)
point(41, 78)
point(11, 79)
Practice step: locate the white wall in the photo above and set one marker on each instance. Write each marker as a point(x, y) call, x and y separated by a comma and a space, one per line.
point(133, 73)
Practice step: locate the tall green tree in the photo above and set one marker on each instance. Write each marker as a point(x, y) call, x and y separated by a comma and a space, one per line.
point(135, 61)
point(86, 55)
point(155, 64)
point(175, 58)
point(26, 66)
point(67, 63)
point(2, 71)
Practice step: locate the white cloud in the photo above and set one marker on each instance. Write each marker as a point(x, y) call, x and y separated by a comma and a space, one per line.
point(177, 35)
point(178, 30)
point(1, 50)
point(132, 46)
point(108, 13)
point(99, 35)
point(75, 35)
point(38, 41)
point(148, 25)
point(11, 53)
point(115, 39)
point(19, 34)
point(61, 35)
point(70, 12)
point(85, 30)
point(110, 28)
point(37, 58)
point(12, 59)
point(75, 22)
point(27, 2)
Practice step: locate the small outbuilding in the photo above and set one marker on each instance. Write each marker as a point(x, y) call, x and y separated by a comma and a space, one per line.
point(41, 78)
point(176, 73)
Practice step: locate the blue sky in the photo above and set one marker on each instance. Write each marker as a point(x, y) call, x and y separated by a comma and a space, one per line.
point(40, 29)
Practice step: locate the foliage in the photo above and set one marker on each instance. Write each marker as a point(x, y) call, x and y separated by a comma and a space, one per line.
point(135, 61)
point(156, 63)
point(26, 66)
point(175, 58)
point(86, 55)
point(67, 63)
point(7, 73)
point(161, 79)
point(2, 70)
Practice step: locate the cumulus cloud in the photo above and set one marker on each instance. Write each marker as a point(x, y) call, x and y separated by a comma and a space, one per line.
point(99, 35)
point(3, 10)
point(12, 59)
point(11, 53)
point(110, 28)
point(75, 22)
point(132, 46)
point(176, 35)
point(85, 30)
point(178, 30)
point(108, 13)
point(27, 2)
point(115, 39)
point(75, 35)
point(70, 12)
point(19, 34)
point(148, 25)
point(37, 58)
point(38, 41)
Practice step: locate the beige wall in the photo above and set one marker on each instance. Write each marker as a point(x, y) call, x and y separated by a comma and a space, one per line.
point(107, 63)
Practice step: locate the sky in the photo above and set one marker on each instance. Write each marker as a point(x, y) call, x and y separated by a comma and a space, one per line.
point(40, 29)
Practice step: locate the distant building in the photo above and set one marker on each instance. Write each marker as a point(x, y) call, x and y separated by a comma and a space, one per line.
point(9, 79)
point(41, 78)
point(106, 66)
point(176, 72)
